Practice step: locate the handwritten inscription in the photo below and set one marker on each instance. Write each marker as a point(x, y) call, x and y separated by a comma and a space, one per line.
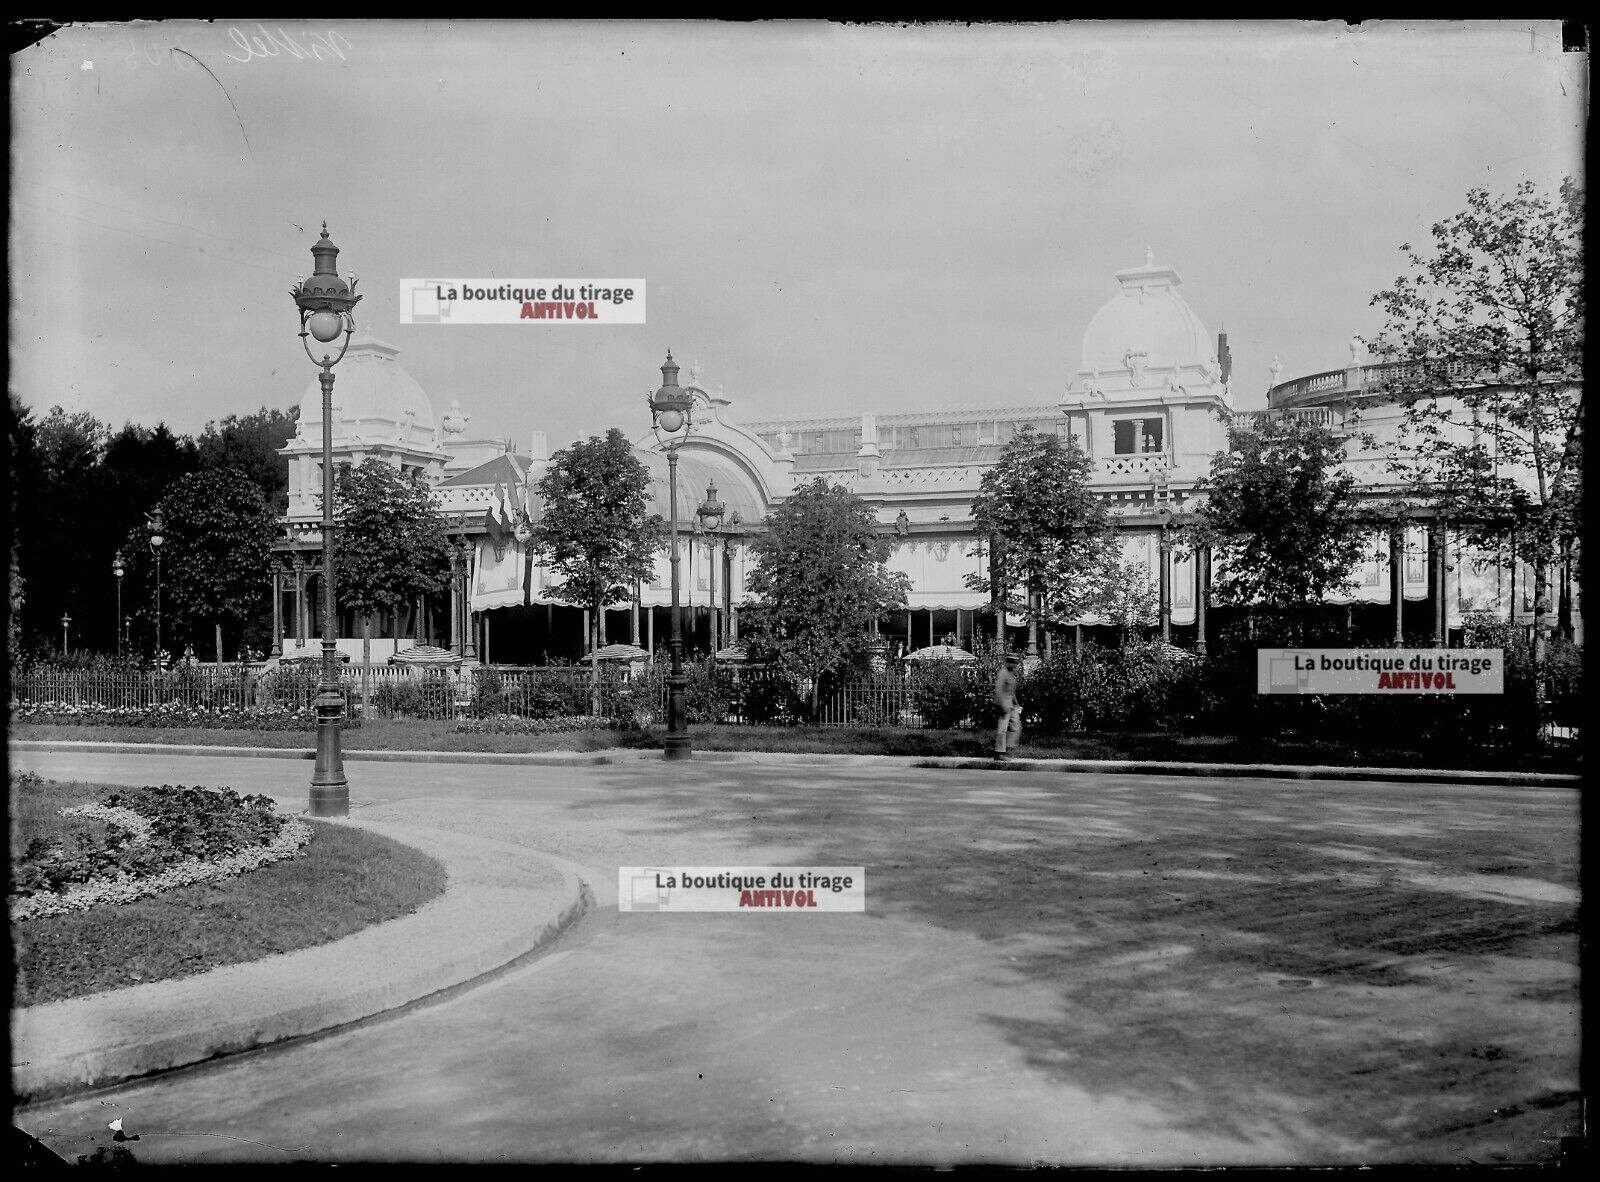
point(266, 43)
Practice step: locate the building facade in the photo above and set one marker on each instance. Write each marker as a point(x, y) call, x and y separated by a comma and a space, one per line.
point(1149, 403)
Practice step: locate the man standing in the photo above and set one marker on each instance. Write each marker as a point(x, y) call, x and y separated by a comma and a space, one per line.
point(1009, 730)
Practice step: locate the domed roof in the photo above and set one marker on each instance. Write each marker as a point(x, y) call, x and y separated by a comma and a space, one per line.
point(373, 398)
point(1146, 316)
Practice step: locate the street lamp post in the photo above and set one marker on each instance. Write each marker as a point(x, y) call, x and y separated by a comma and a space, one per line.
point(117, 568)
point(672, 418)
point(66, 623)
point(326, 304)
point(710, 513)
point(156, 540)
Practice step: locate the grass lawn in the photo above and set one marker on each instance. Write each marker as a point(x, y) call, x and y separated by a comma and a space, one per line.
point(343, 881)
point(440, 735)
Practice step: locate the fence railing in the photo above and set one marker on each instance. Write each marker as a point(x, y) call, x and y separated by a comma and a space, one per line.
point(716, 694)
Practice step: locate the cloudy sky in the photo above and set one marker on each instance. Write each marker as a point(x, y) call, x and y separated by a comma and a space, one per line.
point(829, 219)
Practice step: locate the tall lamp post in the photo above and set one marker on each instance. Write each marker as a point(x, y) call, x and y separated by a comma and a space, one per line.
point(710, 513)
point(118, 569)
point(326, 304)
point(156, 540)
point(672, 418)
point(66, 623)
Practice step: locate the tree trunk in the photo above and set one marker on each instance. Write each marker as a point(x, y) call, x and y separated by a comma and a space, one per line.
point(219, 647)
point(366, 663)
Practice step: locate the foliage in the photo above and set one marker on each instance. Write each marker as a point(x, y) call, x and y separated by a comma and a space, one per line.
point(821, 578)
point(1280, 514)
point(943, 694)
point(219, 534)
point(172, 714)
point(1489, 326)
point(512, 725)
point(769, 697)
point(171, 824)
point(1052, 537)
point(250, 445)
point(392, 545)
point(593, 531)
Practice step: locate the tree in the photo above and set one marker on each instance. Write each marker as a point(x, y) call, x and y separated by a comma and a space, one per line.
point(59, 519)
point(1280, 514)
point(219, 531)
point(391, 545)
point(1052, 537)
point(250, 445)
point(1489, 326)
point(594, 534)
point(821, 578)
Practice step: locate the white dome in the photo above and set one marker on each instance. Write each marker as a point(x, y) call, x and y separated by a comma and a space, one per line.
point(1147, 316)
point(373, 398)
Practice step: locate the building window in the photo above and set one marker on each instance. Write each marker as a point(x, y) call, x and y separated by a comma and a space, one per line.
point(916, 437)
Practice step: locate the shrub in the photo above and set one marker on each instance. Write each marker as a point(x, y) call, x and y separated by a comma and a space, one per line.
point(769, 697)
point(943, 694)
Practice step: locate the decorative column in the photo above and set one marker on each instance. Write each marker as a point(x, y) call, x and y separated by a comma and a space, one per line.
point(1436, 570)
point(455, 601)
point(1164, 554)
point(1397, 574)
point(1202, 592)
point(277, 610)
point(299, 573)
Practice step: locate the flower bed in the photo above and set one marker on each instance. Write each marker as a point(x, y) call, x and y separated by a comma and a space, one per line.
point(511, 724)
point(172, 714)
point(140, 841)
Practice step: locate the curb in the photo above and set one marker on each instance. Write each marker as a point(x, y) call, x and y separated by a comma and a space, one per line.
point(502, 902)
point(1273, 771)
point(1265, 771)
point(553, 758)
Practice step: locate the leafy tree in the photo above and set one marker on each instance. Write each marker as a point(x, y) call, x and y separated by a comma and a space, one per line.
point(250, 444)
point(1280, 513)
point(219, 531)
point(1052, 535)
point(392, 545)
point(58, 515)
point(594, 534)
point(1489, 326)
point(822, 579)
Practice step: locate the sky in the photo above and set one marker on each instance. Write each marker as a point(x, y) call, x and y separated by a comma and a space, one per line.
point(829, 219)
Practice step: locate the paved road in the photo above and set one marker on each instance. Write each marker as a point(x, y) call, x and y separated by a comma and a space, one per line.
point(1061, 968)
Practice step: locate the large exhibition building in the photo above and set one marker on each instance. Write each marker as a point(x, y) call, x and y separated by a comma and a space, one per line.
point(1149, 402)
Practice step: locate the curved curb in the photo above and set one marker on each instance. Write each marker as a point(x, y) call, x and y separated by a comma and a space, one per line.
point(501, 902)
point(621, 755)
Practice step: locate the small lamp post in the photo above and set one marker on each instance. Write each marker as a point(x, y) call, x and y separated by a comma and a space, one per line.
point(157, 539)
point(326, 303)
point(66, 624)
point(118, 569)
point(672, 418)
point(710, 513)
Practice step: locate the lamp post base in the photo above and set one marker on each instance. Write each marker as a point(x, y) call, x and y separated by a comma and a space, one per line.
point(676, 747)
point(330, 791)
